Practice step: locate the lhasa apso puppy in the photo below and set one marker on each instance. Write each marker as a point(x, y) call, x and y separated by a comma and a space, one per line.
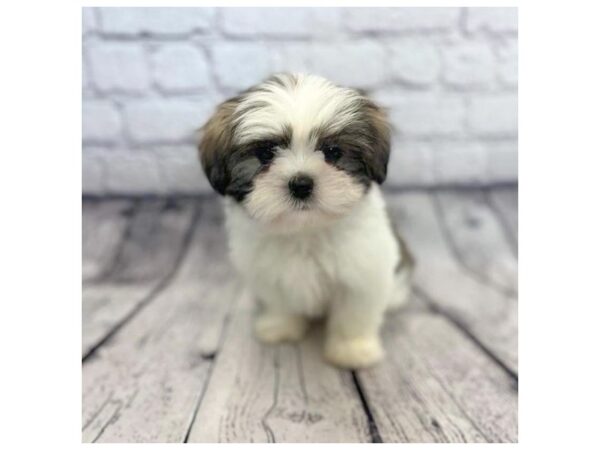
point(299, 161)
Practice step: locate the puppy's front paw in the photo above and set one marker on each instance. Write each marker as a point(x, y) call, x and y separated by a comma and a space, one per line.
point(278, 328)
point(353, 353)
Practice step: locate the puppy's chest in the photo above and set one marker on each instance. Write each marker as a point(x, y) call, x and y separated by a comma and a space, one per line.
point(301, 271)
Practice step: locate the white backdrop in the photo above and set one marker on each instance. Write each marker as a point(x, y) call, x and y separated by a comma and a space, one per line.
point(153, 75)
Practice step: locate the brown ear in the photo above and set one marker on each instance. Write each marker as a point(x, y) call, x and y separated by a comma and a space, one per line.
point(215, 145)
point(376, 160)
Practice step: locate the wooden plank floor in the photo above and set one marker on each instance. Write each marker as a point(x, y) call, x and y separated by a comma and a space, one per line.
point(168, 353)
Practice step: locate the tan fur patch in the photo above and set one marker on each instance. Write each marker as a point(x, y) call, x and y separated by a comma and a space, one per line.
point(215, 141)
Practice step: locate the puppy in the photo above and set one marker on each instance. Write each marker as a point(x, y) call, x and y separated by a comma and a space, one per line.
point(299, 160)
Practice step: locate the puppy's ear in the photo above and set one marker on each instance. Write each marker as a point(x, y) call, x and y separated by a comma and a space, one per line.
point(376, 159)
point(215, 145)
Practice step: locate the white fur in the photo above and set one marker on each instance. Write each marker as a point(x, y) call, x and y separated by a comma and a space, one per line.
point(343, 269)
point(333, 256)
point(335, 192)
point(307, 102)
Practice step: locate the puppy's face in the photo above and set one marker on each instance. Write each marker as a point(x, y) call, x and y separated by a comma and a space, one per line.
point(295, 151)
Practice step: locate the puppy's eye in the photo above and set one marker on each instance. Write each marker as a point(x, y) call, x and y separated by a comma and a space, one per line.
point(332, 152)
point(265, 152)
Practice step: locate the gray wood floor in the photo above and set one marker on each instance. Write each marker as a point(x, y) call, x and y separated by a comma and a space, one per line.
point(168, 352)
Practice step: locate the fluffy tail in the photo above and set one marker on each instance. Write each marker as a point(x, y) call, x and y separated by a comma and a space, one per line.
point(404, 274)
point(402, 289)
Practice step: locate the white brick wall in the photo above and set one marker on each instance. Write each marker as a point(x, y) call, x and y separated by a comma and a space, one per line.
point(415, 62)
point(180, 68)
point(119, 67)
point(382, 20)
point(164, 121)
point(238, 65)
point(154, 21)
point(151, 76)
point(101, 122)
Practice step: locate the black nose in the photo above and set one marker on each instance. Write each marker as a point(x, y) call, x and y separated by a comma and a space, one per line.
point(301, 186)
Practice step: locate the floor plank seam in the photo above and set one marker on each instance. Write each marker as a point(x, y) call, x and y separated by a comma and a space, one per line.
point(108, 271)
point(512, 240)
point(97, 412)
point(409, 188)
point(479, 277)
point(109, 422)
point(387, 189)
point(213, 357)
point(458, 406)
point(300, 368)
point(182, 252)
point(263, 420)
point(186, 438)
point(372, 425)
point(466, 332)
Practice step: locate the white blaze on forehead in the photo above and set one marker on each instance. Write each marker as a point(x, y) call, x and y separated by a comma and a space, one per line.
point(302, 102)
